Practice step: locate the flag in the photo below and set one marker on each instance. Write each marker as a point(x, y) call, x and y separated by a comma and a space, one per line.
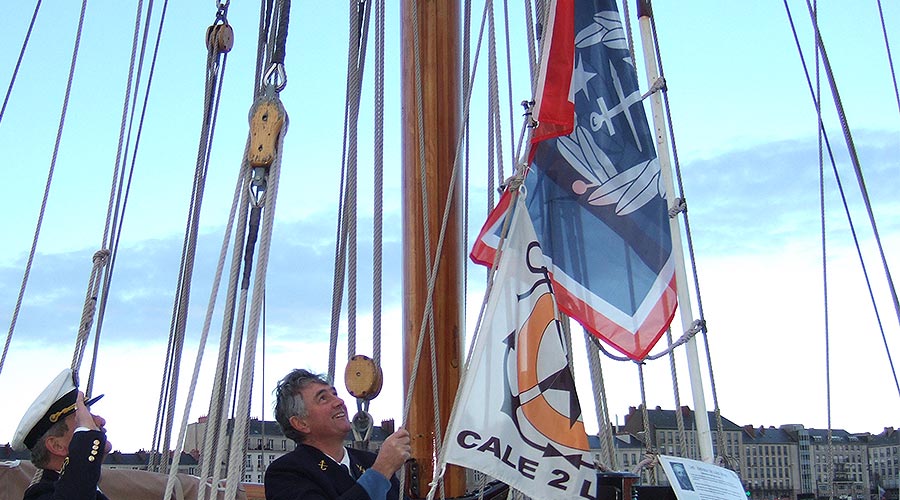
point(517, 416)
point(596, 196)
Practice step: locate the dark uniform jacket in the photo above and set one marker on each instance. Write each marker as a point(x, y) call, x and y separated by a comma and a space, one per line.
point(308, 474)
point(79, 478)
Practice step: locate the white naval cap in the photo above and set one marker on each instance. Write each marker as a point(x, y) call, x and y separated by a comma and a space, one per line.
point(55, 403)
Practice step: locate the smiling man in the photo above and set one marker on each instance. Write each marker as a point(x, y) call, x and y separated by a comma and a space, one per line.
point(66, 441)
point(311, 413)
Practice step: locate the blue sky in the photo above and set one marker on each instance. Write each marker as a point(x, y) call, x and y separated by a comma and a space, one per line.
point(746, 135)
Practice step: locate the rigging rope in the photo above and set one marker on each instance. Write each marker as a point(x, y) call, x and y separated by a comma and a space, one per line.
point(679, 418)
point(378, 174)
point(887, 48)
point(218, 45)
point(830, 152)
point(120, 187)
point(854, 158)
point(601, 405)
point(40, 220)
point(12, 80)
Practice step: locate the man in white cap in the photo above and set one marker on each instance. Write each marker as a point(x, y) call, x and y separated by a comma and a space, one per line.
point(67, 442)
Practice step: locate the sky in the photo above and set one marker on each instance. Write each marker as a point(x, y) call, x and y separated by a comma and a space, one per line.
point(745, 131)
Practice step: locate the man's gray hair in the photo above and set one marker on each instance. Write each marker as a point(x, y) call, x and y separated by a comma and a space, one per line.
point(288, 402)
point(40, 456)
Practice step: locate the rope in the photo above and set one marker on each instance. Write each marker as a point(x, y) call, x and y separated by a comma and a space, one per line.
point(887, 48)
point(650, 448)
point(851, 149)
point(37, 230)
point(281, 32)
point(215, 67)
point(235, 461)
point(509, 89)
point(227, 370)
point(679, 418)
point(493, 144)
point(347, 197)
point(122, 199)
point(12, 80)
point(628, 32)
point(844, 201)
point(204, 334)
point(696, 327)
point(601, 404)
point(352, 145)
point(101, 257)
point(530, 30)
point(222, 383)
point(378, 181)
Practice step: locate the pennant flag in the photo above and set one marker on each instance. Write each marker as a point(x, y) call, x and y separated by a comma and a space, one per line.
point(520, 419)
point(596, 196)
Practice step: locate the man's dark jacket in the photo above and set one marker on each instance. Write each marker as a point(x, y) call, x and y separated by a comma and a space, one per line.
point(308, 474)
point(81, 474)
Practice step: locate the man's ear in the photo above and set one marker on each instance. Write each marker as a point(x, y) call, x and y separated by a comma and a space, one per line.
point(57, 445)
point(299, 424)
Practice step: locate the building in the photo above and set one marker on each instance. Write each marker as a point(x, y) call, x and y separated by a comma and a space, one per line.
point(666, 438)
point(884, 463)
point(266, 442)
point(769, 463)
point(116, 460)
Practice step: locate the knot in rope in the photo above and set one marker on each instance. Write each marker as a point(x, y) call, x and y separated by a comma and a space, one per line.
point(658, 84)
point(649, 462)
point(699, 325)
point(513, 183)
point(100, 257)
point(679, 205)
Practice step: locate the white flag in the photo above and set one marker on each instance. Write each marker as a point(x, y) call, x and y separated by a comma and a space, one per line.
point(517, 416)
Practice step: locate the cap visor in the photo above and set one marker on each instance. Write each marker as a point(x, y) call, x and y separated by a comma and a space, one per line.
point(93, 400)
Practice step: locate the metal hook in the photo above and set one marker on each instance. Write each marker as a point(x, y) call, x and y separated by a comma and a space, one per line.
point(258, 185)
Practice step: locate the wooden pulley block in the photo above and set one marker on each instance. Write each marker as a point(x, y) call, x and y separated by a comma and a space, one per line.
point(265, 127)
point(363, 377)
point(220, 37)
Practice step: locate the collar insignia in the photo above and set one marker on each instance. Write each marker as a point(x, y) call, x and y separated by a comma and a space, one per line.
point(323, 465)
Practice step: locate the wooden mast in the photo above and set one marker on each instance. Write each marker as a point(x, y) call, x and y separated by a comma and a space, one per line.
point(439, 41)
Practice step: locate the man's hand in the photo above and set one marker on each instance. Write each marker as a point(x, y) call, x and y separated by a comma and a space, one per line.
point(394, 453)
point(83, 417)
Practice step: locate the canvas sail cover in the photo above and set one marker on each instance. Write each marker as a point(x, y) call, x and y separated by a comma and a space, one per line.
point(595, 192)
point(517, 416)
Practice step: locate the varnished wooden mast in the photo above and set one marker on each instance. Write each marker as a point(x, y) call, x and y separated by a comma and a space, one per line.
point(439, 42)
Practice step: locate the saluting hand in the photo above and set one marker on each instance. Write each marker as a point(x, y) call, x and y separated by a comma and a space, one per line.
point(83, 417)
